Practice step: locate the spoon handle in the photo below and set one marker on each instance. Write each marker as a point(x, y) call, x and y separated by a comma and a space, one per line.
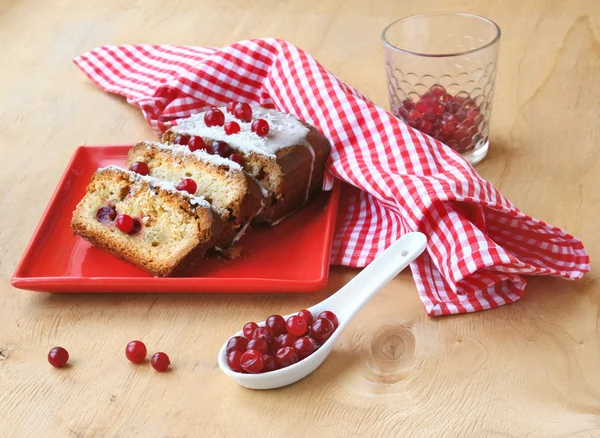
point(350, 298)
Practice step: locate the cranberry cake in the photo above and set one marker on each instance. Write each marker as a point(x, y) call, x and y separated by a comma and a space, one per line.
point(145, 221)
point(232, 193)
point(286, 155)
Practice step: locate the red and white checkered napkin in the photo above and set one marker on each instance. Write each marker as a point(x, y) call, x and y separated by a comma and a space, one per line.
point(480, 245)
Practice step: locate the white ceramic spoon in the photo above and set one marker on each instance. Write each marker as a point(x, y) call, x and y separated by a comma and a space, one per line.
point(344, 303)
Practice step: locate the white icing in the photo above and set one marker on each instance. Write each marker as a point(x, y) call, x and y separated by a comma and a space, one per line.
point(164, 185)
point(201, 155)
point(312, 168)
point(284, 130)
point(242, 231)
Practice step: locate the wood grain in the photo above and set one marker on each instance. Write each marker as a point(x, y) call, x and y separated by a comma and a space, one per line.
point(529, 369)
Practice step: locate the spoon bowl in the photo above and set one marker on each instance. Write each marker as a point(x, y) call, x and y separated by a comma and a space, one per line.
point(345, 303)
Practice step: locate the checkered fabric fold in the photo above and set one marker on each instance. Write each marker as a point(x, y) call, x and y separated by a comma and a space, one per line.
point(479, 244)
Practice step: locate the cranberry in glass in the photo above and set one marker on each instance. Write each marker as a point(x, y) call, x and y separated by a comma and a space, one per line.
point(197, 144)
point(124, 223)
point(331, 317)
point(252, 361)
point(160, 362)
point(304, 347)
point(106, 214)
point(214, 117)
point(187, 185)
point(437, 90)
point(233, 360)
point(248, 329)
point(181, 140)
point(306, 315)
point(58, 357)
point(270, 364)
point(232, 128)
point(220, 148)
point(136, 351)
point(140, 168)
point(258, 344)
point(238, 343)
point(264, 333)
point(296, 325)
point(243, 111)
point(260, 127)
point(285, 357)
point(321, 330)
point(237, 158)
point(277, 324)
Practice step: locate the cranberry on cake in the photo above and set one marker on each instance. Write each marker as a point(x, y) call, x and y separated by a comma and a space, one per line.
point(287, 156)
point(145, 221)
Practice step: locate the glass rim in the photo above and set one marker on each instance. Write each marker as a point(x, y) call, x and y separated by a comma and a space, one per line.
point(441, 55)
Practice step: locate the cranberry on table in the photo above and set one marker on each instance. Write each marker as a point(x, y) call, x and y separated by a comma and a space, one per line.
point(160, 362)
point(136, 351)
point(187, 185)
point(232, 128)
point(285, 357)
point(258, 344)
point(124, 223)
point(243, 112)
point(220, 148)
point(197, 144)
point(233, 360)
point(248, 329)
point(330, 316)
point(58, 357)
point(260, 127)
point(270, 364)
point(304, 347)
point(277, 324)
point(238, 343)
point(230, 106)
point(182, 140)
point(306, 315)
point(296, 325)
point(264, 333)
point(252, 361)
point(214, 117)
point(106, 214)
point(140, 168)
point(237, 158)
point(321, 330)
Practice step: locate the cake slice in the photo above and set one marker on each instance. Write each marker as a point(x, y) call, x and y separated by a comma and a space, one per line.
point(289, 161)
point(145, 221)
point(233, 194)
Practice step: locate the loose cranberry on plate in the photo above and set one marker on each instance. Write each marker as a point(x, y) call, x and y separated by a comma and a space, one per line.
point(187, 185)
point(214, 117)
point(248, 329)
point(233, 360)
point(140, 168)
point(296, 325)
point(321, 330)
point(243, 112)
point(136, 351)
point(258, 344)
point(252, 361)
point(232, 128)
point(220, 148)
point(263, 332)
point(106, 214)
point(181, 140)
point(277, 324)
point(197, 144)
point(160, 362)
point(124, 223)
point(330, 316)
point(260, 127)
point(306, 315)
point(58, 357)
point(285, 357)
point(238, 343)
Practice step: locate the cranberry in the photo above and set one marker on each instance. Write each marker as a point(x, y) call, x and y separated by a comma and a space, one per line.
point(238, 343)
point(243, 111)
point(296, 325)
point(304, 347)
point(437, 108)
point(260, 127)
point(437, 90)
point(58, 357)
point(306, 315)
point(106, 214)
point(160, 362)
point(233, 360)
point(214, 117)
point(403, 113)
point(124, 223)
point(466, 124)
point(220, 148)
point(277, 324)
point(136, 351)
point(252, 361)
point(448, 127)
point(453, 108)
point(232, 128)
point(461, 115)
point(237, 158)
point(187, 185)
point(414, 116)
point(422, 107)
point(264, 333)
point(321, 330)
point(181, 140)
point(445, 99)
point(270, 364)
point(230, 106)
point(285, 357)
point(407, 104)
point(258, 344)
point(285, 340)
point(197, 144)
point(460, 133)
point(139, 167)
point(248, 329)
point(425, 126)
point(137, 226)
point(330, 316)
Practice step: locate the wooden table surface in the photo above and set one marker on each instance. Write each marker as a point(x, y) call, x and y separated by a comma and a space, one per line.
point(529, 369)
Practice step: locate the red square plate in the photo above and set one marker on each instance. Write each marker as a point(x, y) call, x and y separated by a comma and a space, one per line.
point(291, 257)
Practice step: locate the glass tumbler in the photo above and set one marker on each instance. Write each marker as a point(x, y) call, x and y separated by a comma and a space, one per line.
point(441, 69)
